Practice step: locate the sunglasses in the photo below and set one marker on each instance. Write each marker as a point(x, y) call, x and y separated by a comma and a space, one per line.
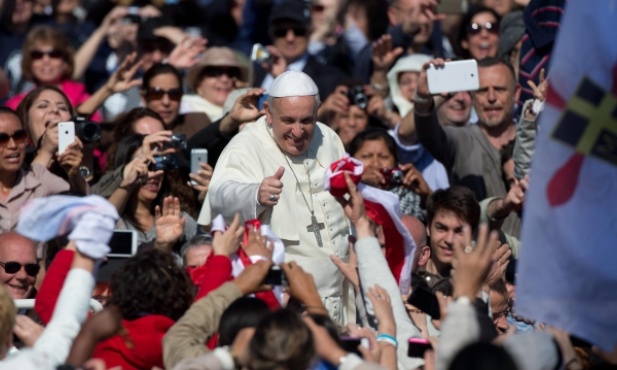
point(32, 269)
point(156, 93)
point(219, 71)
point(299, 31)
point(39, 54)
point(318, 8)
point(476, 28)
point(19, 137)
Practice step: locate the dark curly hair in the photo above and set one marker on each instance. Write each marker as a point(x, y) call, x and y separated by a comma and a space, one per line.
point(151, 282)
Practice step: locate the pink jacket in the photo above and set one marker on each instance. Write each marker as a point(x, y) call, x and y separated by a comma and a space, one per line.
point(75, 91)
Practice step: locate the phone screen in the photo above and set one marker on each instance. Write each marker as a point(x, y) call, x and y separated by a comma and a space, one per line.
point(275, 277)
point(417, 347)
point(262, 99)
point(122, 243)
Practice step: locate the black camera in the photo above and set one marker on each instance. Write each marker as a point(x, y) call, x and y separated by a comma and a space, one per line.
point(393, 176)
point(86, 130)
point(357, 96)
point(164, 163)
point(178, 142)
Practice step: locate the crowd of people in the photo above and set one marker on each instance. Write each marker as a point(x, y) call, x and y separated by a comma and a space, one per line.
point(343, 215)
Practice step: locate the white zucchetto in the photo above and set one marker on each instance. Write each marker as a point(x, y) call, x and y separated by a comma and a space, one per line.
point(293, 83)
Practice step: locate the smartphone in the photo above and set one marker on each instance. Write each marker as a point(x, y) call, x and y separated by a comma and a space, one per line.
point(275, 277)
point(453, 7)
point(460, 75)
point(198, 156)
point(417, 347)
point(427, 302)
point(351, 344)
point(262, 99)
point(123, 244)
point(66, 135)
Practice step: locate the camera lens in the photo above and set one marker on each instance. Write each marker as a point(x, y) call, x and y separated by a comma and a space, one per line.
point(88, 132)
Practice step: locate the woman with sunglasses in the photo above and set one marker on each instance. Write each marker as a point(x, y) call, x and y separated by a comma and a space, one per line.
point(478, 34)
point(148, 200)
point(48, 59)
point(218, 73)
point(162, 92)
point(18, 184)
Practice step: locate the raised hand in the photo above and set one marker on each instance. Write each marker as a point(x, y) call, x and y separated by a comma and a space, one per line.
point(185, 54)
point(271, 188)
point(27, 330)
point(301, 285)
point(354, 207)
point(471, 265)
point(349, 269)
point(122, 78)
point(500, 260)
point(383, 310)
point(257, 244)
point(278, 65)
point(336, 102)
point(135, 173)
point(541, 89)
point(372, 176)
point(226, 243)
point(169, 223)
point(251, 279)
point(383, 54)
point(245, 108)
point(422, 89)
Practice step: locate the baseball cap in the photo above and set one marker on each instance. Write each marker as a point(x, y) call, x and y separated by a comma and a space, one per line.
point(294, 10)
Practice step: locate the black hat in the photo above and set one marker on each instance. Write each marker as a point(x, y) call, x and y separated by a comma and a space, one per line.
point(294, 10)
point(147, 27)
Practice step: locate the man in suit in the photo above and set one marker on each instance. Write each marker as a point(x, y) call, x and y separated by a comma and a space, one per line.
point(290, 29)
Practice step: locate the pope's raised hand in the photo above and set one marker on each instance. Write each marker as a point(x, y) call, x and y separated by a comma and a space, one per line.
point(271, 188)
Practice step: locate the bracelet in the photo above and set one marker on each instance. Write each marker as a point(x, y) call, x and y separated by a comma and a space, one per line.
point(387, 338)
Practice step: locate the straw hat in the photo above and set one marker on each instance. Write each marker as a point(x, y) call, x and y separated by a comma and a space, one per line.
point(215, 57)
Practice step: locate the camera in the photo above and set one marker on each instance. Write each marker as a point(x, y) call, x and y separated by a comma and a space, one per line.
point(393, 176)
point(357, 96)
point(261, 55)
point(178, 142)
point(164, 163)
point(86, 130)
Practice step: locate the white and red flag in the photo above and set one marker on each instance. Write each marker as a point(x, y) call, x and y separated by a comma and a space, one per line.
point(567, 271)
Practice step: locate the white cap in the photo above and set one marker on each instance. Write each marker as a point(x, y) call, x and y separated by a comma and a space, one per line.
point(293, 83)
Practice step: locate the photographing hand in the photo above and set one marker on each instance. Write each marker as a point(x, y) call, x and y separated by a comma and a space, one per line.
point(169, 223)
point(278, 65)
point(414, 181)
point(201, 180)
point(336, 102)
point(372, 176)
point(257, 244)
point(27, 330)
point(251, 279)
point(71, 158)
point(301, 284)
point(422, 89)
point(227, 243)
point(136, 173)
point(245, 108)
point(271, 188)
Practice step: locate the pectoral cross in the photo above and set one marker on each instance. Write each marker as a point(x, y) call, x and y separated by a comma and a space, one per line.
point(314, 227)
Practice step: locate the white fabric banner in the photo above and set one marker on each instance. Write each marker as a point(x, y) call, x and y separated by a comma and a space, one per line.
point(567, 272)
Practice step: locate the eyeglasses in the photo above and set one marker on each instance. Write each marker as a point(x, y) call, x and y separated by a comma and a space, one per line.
point(231, 72)
point(18, 136)
point(156, 93)
point(12, 267)
point(318, 8)
point(40, 54)
point(504, 313)
point(476, 28)
point(299, 31)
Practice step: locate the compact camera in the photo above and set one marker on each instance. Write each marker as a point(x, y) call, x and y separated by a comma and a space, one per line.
point(357, 96)
point(261, 55)
point(164, 163)
point(178, 142)
point(393, 176)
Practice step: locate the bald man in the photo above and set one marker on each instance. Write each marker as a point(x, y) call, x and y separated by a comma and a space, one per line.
point(418, 232)
point(18, 265)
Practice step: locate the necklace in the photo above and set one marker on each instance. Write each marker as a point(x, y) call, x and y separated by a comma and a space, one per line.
point(314, 227)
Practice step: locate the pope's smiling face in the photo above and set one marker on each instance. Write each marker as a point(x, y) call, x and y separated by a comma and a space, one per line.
point(293, 122)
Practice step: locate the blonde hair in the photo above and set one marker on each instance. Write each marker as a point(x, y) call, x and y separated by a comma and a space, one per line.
point(7, 318)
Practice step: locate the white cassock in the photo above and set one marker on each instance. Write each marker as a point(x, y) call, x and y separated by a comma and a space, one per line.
point(253, 155)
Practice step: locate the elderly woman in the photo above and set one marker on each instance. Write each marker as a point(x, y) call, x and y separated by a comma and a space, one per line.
point(18, 184)
point(218, 73)
point(48, 60)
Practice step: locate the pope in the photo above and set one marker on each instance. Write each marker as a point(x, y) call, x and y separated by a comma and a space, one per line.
point(274, 171)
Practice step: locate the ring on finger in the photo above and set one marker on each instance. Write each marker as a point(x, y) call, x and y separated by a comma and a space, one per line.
point(272, 197)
